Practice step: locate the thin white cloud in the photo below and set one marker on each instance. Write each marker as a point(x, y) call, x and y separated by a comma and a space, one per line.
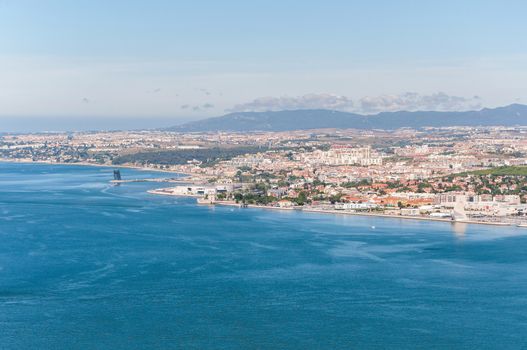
point(309, 101)
point(205, 91)
point(412, 101)
point(409, 101)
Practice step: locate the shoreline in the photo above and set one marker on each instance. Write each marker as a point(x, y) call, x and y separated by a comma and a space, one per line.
point(341, 212)
point(26, 161)
point(160, 193)
point(254, 206)
point(388, 216)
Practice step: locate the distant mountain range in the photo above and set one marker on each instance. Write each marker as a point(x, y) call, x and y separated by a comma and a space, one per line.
point(514, 114)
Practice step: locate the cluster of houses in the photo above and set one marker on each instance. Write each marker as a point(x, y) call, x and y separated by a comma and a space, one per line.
point(447, 204)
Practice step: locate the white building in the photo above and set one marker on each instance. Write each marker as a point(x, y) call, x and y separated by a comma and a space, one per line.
point(355, 206)
point(343, 155)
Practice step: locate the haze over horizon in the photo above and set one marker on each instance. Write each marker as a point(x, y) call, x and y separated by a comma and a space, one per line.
point(90, 64)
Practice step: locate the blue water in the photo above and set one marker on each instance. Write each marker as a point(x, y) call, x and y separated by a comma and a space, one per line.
point(87, 265)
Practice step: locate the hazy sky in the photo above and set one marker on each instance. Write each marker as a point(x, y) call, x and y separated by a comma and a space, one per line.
point(189, 59)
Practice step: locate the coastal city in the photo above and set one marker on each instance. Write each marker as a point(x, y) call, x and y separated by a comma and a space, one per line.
point(461, 174)
point(278, 175)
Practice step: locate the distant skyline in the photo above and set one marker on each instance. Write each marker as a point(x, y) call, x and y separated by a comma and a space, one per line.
point(189, 60)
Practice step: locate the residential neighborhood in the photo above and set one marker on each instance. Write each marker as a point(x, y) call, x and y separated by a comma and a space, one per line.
point(456, 173)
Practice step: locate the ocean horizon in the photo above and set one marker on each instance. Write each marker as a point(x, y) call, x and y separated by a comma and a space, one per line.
point(85, 264)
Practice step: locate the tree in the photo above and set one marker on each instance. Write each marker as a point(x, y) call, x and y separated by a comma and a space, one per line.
point(262, 187)
point(238, 197)
point(335, 198)
point(301, 199)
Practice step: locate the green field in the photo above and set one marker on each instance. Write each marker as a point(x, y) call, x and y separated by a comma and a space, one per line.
point(502, 171)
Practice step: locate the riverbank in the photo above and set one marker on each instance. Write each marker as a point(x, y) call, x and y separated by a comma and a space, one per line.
point(323, 211)
point(164, 193)
point(28, 161)
point(390, 216)
point(232, 203)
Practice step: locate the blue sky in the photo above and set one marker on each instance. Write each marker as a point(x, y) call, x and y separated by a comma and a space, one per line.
point(190, 59)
